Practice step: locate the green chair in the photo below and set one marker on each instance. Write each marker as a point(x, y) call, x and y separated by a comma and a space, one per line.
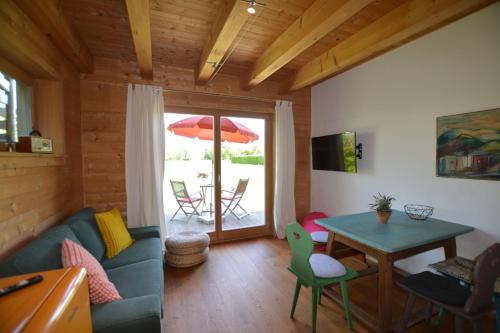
point(316, 271)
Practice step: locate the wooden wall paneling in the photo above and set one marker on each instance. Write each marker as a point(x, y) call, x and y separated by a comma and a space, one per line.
point(103, 104)
point(49, 112)
point(49, 18)
point(39, 190)
point(182, 79)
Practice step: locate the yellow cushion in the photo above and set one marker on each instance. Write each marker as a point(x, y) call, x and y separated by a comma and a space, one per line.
point(113, 231)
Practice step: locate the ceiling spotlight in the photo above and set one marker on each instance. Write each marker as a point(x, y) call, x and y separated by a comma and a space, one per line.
point(251, 7)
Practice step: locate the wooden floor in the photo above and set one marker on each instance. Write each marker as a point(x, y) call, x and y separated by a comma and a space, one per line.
point(245, 287)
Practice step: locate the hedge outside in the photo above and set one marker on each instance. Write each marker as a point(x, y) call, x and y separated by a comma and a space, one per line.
point(248, 159)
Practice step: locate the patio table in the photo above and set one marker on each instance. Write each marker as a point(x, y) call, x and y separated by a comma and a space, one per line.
point(401, 238)
point(204, 189)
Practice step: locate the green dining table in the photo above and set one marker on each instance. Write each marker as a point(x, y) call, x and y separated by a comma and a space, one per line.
point(400, 238)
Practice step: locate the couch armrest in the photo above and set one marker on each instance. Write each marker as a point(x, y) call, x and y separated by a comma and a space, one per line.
point(131, 315)
point(145, 232)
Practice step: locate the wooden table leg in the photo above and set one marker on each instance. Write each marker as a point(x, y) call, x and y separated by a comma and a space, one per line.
point(450, 249)
point(384, 292)
point(330, 244)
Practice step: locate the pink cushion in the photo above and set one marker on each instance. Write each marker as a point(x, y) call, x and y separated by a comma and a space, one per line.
point(190, 199)
point(308, 223)
point(100, 288)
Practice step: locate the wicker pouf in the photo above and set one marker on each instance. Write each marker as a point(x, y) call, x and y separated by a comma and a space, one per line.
point(186, 260)
point(187, 248)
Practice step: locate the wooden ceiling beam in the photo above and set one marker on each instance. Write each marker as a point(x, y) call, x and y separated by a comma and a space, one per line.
point(139, 18)
point(24, 45)
point(407, 22)
point(229, 22)
point(322, 17)
point(50, 19)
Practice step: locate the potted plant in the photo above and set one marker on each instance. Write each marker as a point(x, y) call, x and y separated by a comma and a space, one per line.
point(382, 206)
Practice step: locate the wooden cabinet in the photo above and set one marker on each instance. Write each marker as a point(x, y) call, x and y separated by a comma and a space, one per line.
point(60, 303)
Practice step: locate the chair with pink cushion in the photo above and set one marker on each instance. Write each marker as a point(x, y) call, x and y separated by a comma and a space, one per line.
point(188, 203)
point(319, 236)
point(318, 233)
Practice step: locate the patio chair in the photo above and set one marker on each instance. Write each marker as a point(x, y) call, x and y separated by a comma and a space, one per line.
point(231, 199)
point(315, 270)
point(188, 203)
point(451, 296)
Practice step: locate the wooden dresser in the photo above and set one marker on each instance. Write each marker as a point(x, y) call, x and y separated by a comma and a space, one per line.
point(60, 303)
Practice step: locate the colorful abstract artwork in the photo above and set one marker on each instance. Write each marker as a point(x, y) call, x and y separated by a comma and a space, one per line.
point(468, 145)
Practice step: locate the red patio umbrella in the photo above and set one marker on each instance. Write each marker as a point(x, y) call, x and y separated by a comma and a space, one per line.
point(201, 127)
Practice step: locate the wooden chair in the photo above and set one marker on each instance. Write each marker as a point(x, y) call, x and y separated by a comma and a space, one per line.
point(231, 199)
point(451, 296)
point(188, 203)
point(315, 271)
point(462, 269)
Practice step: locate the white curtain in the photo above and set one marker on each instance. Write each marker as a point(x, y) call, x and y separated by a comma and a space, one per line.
point(145, 157)
point(284, 195)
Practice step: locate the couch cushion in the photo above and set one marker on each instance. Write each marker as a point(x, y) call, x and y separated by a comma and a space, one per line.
point(42, 254)
point(132, 315)
point(113, 231)
point(85, 228)
point(145, 232)
point(138, 279)
point(140, 250)
point(101, 290)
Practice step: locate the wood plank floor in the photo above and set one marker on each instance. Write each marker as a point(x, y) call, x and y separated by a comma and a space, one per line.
point(245, 287)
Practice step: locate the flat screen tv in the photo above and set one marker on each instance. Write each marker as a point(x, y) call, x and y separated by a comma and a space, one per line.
point(335, 152)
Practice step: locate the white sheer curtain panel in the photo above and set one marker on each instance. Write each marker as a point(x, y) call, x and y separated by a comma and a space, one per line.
point(145, 157)
point(284, 195)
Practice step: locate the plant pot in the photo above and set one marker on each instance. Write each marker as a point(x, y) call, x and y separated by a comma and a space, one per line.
point(383, 216)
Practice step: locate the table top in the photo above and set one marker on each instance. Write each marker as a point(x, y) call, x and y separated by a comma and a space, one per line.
point(398, 234)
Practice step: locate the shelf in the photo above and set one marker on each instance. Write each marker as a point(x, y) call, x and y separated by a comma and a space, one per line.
point(18, 154)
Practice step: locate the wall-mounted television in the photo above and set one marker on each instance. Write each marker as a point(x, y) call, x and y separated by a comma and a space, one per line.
point(336, 152)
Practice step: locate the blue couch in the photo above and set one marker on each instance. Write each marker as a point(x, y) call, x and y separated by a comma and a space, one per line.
point(137, 272)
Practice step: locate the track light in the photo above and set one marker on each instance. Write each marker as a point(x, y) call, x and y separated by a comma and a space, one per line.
point(251, 7)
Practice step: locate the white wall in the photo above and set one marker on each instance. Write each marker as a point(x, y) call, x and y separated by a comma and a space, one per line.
point(392, 103)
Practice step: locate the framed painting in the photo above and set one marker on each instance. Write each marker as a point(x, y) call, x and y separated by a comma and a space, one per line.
point(468, 145)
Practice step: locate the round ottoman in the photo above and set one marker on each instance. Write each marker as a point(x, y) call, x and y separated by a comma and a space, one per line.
point(186, 260)
point(187, 248)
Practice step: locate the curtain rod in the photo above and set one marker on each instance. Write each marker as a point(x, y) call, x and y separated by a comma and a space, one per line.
point(262, 99)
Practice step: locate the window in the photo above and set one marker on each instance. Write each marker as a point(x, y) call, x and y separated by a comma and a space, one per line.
point(15, 109)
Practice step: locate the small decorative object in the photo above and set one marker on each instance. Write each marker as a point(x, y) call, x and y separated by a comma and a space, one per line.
point(202, 175)
point(382, 206)
point(35, 143)
point(468, 145)
point(418, 212)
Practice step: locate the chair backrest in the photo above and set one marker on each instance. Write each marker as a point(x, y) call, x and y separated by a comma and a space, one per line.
point(486, 271)
point(241, 188)
point(302, 247)
point(179, 188)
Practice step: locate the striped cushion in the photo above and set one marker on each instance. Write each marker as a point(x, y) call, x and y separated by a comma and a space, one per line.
point(114, 232)
point(101, 290)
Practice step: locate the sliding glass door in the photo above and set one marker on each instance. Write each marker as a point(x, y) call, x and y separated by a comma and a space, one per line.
point(218, 174)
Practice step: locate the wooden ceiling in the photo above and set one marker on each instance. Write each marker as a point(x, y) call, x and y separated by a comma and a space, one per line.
point(181, 30)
